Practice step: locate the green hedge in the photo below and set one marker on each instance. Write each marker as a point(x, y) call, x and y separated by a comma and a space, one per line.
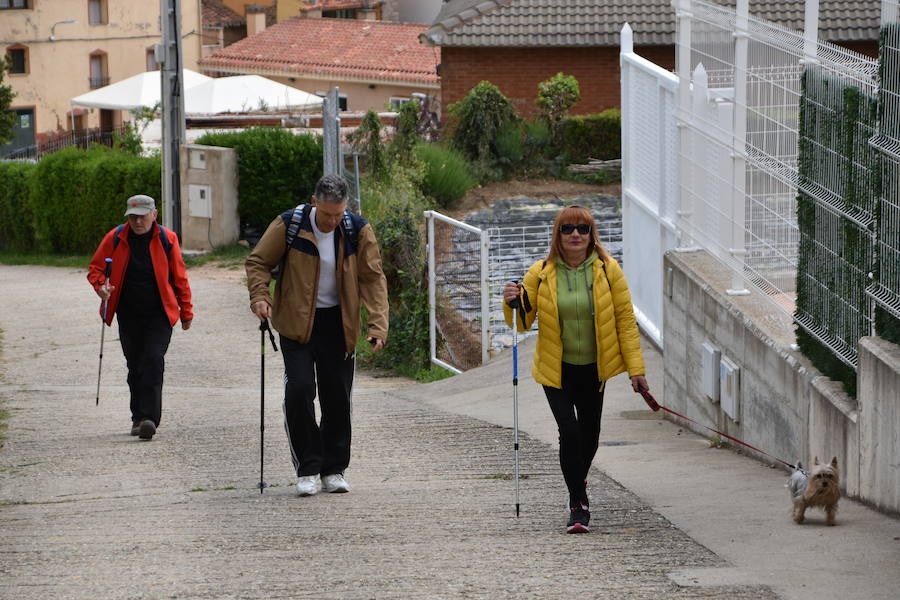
point(276, 169)
point(16, 219)
point(79, 195)
point(596, 136)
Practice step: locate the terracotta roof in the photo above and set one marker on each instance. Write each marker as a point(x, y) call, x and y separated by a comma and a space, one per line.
point(530, 23)
point(337, 5)
point(348, 49)
point(216, 14)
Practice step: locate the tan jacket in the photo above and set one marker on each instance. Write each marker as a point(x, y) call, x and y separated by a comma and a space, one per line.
point(360, 279)
point(618, 338)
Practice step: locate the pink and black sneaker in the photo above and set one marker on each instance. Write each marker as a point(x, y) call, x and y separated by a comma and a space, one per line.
point(579, 517)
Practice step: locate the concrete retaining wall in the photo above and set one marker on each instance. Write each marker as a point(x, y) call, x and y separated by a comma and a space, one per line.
point(786, 407)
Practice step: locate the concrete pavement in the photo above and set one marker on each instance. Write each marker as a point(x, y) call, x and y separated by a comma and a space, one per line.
point(87, 511)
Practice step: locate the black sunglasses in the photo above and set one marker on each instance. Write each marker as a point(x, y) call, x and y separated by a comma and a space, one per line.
point(568, 228)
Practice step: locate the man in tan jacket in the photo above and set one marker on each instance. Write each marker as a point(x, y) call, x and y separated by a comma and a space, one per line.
point(330, 265)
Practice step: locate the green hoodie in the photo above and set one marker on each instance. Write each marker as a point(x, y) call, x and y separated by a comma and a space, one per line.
point(576, 311)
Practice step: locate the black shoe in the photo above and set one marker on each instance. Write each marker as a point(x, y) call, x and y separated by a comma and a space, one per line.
point(135, 427)
point(146, 429)
point(579, 517)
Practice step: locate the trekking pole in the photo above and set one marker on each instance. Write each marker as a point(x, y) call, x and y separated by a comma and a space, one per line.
point(263, 328)
point(106, 273)
point(515, 305)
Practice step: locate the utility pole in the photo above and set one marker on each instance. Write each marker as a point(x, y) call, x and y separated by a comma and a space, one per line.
point(169, 57)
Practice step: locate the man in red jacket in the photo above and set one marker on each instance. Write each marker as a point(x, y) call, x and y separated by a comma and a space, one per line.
point(148, 289)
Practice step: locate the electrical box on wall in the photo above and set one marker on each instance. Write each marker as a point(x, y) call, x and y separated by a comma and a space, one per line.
point(730, 388)
point(709, 362)
point(197, 159)
point(200, 201)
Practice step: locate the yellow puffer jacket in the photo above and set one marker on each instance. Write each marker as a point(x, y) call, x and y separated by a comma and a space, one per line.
point(618, 339)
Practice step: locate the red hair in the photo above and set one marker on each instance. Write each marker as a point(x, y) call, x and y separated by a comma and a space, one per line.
point(576, 215)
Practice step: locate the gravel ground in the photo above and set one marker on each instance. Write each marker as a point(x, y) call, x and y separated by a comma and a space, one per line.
point(88, 511)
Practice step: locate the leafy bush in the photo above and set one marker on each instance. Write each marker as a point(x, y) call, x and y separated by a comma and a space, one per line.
point(595, 136)
point(447, 177)
point(277, 170)
point(394, 208)
point(79, 195)
point(367, 141)
point(476, 121)
point(405, 137)
point(555, 97)
point(16, 218)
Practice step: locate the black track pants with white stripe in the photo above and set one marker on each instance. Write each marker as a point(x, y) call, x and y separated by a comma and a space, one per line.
point(320, 365)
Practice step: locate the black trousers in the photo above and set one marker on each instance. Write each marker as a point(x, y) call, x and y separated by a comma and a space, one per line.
point(323, 364)
point(145, 340)
point(577, 408)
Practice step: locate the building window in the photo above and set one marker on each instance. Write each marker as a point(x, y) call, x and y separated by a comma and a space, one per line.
point(97, 12)
point(18, 59)
point(99, 77)
point(343, 13)
point(396, 103)
point(342, 99)
point(152, 65)
point(14, 4)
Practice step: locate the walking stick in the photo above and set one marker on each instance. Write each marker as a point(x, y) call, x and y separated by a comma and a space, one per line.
point(263, 328)
point(519, 307)
point(106, 272)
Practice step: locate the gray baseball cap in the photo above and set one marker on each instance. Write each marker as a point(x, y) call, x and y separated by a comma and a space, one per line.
point(140, 205)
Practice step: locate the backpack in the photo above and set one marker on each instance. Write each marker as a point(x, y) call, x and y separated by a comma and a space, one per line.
point(297, 215)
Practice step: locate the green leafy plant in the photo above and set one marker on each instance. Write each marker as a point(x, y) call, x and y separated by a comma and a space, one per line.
point(405, 137)
point(556, 96)
point(277, 170)
point(447, 177)
point(130, 140)
point(476, 121)
point(367, 141)
point(7, 117)
point(72, 218)
point(592, 136)
point(16, 217)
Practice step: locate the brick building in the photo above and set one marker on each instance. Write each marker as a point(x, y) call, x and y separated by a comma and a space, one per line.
point(516, 44)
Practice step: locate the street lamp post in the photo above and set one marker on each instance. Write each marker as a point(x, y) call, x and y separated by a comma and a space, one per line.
point(53, 27)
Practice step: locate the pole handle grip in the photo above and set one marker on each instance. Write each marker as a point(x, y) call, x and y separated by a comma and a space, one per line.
point(107, 271)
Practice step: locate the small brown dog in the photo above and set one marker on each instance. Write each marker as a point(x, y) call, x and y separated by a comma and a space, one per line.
point(820, 487)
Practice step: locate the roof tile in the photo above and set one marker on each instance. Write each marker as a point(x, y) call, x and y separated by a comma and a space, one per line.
point(363, 50)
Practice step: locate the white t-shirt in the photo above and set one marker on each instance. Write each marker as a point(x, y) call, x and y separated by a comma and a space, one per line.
point(328, 295)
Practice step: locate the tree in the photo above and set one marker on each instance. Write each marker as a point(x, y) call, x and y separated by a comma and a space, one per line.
point(555, 97)
point(478, 119)
point(7, 117)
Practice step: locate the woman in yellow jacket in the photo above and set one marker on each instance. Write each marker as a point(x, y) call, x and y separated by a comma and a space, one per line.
point(587, 334)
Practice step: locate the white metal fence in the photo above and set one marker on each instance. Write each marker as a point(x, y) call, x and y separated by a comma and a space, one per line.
point(649, 181)
point(468, 266)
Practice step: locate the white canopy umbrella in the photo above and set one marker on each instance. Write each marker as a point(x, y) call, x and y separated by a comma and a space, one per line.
point(246, 93)
point(139, 90)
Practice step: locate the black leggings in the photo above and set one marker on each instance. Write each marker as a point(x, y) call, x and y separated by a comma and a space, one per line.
point(577, 408)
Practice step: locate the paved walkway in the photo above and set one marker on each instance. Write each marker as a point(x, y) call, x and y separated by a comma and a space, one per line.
point(87, 511)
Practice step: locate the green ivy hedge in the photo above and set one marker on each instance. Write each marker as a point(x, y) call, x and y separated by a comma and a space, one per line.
point(593, 136)
point(77, 195)
point(836, 254)
point(277, 170)
point(16, 219)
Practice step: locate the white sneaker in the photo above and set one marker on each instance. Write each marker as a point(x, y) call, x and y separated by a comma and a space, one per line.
point(335, 484)
point(309, 485)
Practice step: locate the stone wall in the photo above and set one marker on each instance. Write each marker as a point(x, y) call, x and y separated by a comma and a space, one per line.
point(786, 407)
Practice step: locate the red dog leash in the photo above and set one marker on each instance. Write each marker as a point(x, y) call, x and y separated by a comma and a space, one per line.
point(655, 406)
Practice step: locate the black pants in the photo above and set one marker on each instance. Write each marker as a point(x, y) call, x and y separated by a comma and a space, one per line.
point(322, 363)
point(145, 340)
point(577, 408)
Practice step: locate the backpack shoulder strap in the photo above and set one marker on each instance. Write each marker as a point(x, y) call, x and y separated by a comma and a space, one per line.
point(164, 240)
point(117, 234)
point(294, 226)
